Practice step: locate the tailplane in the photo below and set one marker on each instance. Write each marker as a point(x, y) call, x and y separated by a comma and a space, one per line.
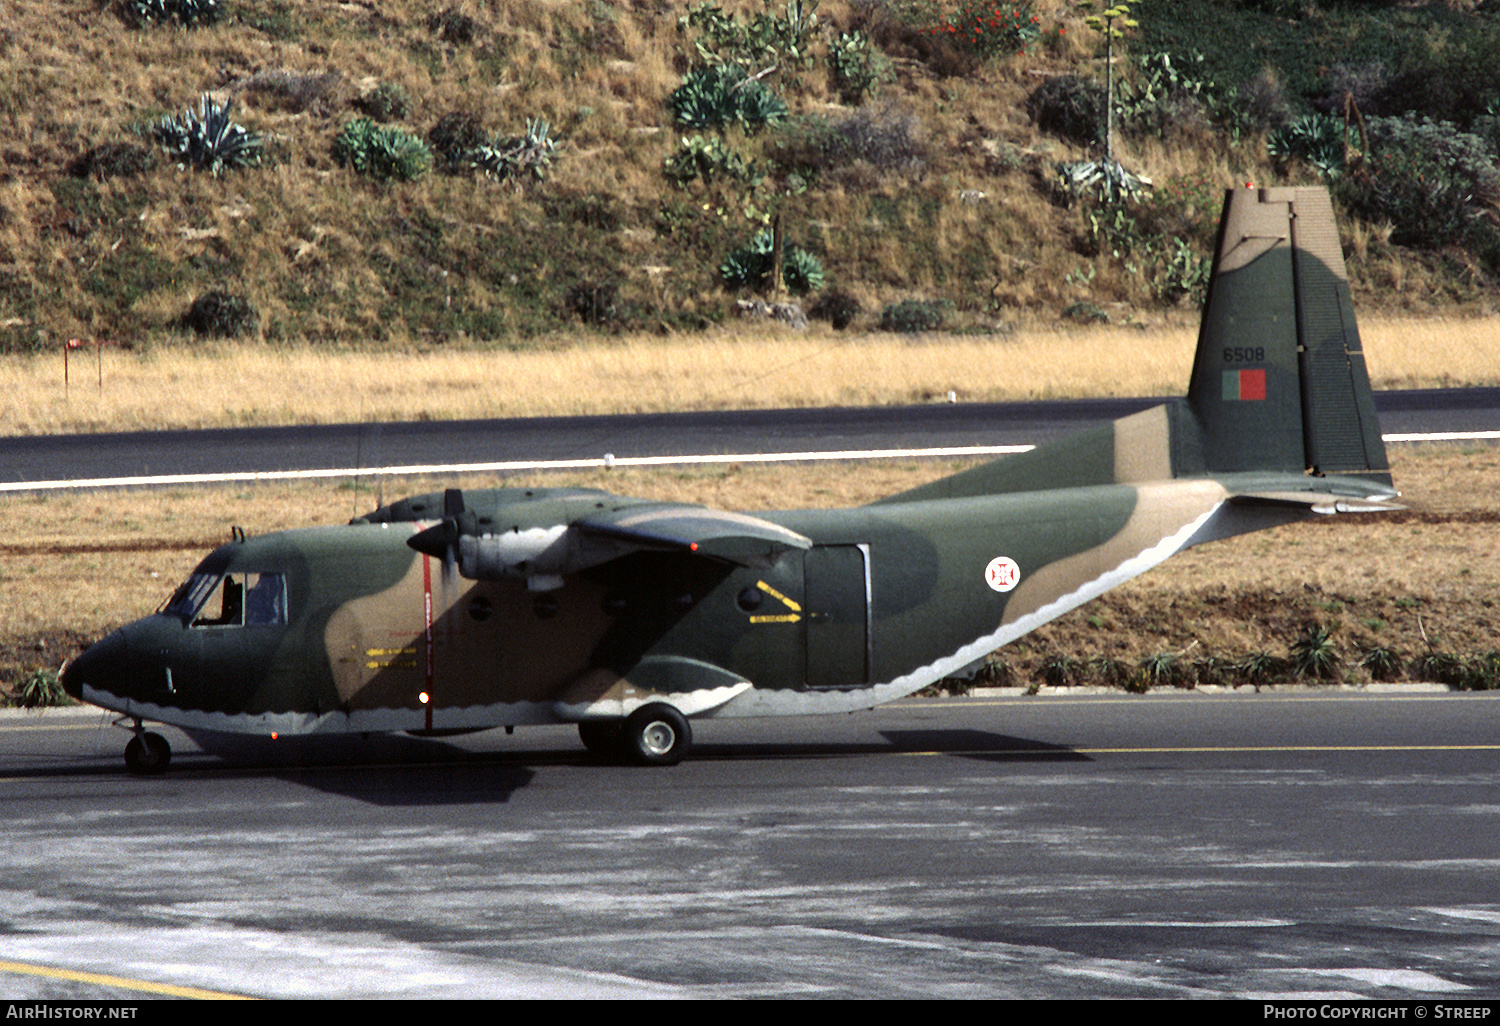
point(1279, 385)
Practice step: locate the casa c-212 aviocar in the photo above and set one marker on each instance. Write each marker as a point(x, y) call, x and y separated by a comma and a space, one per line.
point(459, 611)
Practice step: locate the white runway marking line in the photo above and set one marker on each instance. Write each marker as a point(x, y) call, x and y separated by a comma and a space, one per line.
point(509, 465)
point(605, 461)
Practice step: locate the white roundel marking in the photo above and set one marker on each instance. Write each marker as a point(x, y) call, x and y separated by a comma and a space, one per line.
point(1002, 574)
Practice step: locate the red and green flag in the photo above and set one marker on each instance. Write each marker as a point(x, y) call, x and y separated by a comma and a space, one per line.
point(1245, 384)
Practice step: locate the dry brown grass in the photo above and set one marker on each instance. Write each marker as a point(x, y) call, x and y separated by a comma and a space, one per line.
point(741, 367)
point(76, 565)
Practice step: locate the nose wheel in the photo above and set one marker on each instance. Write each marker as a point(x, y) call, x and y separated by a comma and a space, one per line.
point(147, 753)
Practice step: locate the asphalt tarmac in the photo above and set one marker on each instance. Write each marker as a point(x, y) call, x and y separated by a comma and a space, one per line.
point(1301, 844)
point(491, 444)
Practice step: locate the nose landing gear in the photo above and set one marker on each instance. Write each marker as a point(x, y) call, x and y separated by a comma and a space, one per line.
point(147, 753)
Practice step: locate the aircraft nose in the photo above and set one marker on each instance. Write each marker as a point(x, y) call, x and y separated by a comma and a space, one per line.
point(100, 664)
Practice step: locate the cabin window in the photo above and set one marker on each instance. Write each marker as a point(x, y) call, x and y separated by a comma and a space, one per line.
point(243, 600)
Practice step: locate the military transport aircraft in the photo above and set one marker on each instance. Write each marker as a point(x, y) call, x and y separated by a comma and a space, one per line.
point(466, 610)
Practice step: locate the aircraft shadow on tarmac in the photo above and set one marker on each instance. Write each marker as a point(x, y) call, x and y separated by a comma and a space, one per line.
point(973, 744)
point(396, 770)
point(402, 770)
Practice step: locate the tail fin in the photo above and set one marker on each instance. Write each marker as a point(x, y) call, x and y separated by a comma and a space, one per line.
point(1279, 382)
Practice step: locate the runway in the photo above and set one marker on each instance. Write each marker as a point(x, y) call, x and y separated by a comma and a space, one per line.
point(1310, 844)
point(503, 446)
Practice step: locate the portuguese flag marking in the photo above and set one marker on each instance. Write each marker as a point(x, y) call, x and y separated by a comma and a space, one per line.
point(1244, 384)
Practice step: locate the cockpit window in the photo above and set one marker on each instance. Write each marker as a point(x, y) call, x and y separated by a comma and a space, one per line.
point(188, 598)
point(242, 600)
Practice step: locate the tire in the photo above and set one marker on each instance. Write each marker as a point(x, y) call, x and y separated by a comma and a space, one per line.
point(601, 737)
point(147, 754)
point(656, 735)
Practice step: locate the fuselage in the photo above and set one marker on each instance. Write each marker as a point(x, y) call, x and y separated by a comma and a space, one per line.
point(347, 628)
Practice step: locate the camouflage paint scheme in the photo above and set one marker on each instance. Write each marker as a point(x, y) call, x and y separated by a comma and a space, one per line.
point(503, 607)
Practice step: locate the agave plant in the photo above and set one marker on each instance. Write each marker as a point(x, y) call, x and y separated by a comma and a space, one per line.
point(1317, 139)
point(1383, 663)
point(381, 151)
point(749, 265)
point(208, 140)
point(1259, 668)
point(516, 155)
point(40, 688)
point(1109, 178)
point(1315, 655)
point(1061, 671)
point(1163, 669)
point(713, 97)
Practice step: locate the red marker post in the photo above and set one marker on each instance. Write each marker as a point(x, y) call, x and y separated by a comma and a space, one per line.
point(78, 343)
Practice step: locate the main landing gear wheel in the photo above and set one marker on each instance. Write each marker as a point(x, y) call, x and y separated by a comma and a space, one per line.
point(656, 735)
point(601, 737)
point(147, 753)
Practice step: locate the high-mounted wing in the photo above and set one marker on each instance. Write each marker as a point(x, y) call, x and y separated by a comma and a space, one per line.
point(544, 538)
point(733, 537)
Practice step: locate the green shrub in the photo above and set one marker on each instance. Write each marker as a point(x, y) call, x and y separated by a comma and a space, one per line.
point(995, 673)
point(112, 160)
point(453, 26)
point(1212, 671)
point(885, 138)
point(708, 158)
point(1084, 312)
point(187, 13)
point(911, 316)
point(1070, 107)
point(1482, 673)
point(1433, 183)
point(388, 101)
point(1171, 94)
point(722, 95)
point(594, 302)
point(750, 265)
point(208, 140)
point(222, 315)
point(990, 28)
point(381, 151)
point(456, 134)
point(1439, 668)
point(857, 66)
point(837, 307)
point(1112, 672)
point(766, 40)
point(1261, 668)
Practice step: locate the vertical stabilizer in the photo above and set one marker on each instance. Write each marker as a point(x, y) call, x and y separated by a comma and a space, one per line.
point(1279, 381)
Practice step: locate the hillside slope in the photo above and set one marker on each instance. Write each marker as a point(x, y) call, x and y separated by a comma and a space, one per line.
point(930, 186)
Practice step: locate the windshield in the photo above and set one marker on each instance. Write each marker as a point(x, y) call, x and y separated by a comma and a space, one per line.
point(243, 600)
point(188, 598)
